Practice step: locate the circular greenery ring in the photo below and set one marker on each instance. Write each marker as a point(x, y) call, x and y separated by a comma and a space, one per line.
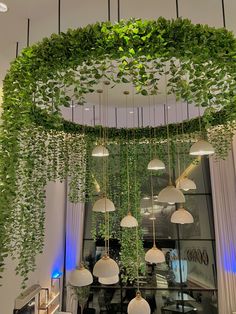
point(43, 64)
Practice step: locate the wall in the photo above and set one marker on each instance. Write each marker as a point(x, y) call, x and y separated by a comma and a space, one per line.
point(52, 258)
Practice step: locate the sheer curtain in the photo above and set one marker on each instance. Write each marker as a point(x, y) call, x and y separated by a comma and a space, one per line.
point(74, 243)
point(223, 180)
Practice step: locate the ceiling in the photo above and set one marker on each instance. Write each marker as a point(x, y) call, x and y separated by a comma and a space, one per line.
point(74, 13)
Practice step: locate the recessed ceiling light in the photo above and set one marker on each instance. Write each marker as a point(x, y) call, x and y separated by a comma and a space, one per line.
point(3, 7)
point(86, 109)
point(131, 112)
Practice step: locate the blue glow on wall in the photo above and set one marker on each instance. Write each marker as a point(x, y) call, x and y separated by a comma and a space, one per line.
point(229, 258)
point(56, 274)
point(71, 251)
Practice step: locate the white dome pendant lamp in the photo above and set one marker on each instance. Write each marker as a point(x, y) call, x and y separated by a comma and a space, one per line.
point(154, 255)
point(100, 151)
point(201, 147)
point(156, 164)
point(138, 305)
point(103, 205)
point(186, 184)
point(81, 277)
point(106, 267)
point(129, 221)
point(170, 194)
point(182, 216)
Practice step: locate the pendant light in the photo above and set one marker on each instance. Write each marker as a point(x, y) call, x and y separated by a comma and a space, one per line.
point(201, 147)
point(155, 163)
point(103, 205)
point(186, 184)
point(3, 7)
point(138, 305)
point(146, 212)
point(129, 221)
point(170, 194)
point(154, 255)
point(182, 216)
point(109, 280)
point(100, 150)
point(105, 267)
point(81, 277)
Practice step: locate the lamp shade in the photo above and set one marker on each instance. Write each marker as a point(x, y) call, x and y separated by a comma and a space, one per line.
point(154, 256)
point(138, 305)
point(129, 221)
point(181, 216)
point(106, 267)
point(201, 148)
point(186, 184)
point(81, 277)
point(109, 280)
point(100, 151)
point(156, 164)
point(3, 7)
point(146, 212)
point(103, 205)
point(171, 195)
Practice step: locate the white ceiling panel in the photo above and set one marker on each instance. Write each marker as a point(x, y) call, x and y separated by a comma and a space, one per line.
point(230, 19)
point(202, 11)
point(148, 9)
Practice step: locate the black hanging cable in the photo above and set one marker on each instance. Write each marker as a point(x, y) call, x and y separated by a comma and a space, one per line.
point(177, 8)
point(59, 17)
point(28, 32)
point(223, 13)
point(109, 10)
point(118, 10)
point(17, 49)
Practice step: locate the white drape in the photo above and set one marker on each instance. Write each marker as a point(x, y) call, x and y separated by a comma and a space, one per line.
point(223, 179)
point(74, 242)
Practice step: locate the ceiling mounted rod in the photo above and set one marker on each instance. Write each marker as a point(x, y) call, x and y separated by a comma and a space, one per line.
point(17, 49)
point(59, 17)
point(177, 8)
point(223, 13)
point(28, 33)
point(118, 10)
point(109, 10)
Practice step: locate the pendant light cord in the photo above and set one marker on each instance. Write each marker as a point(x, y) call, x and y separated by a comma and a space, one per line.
point(135, 204)
point(177, 142)
point(167, 129)
point(153, 220)
point(127, 151)
point(182, 130)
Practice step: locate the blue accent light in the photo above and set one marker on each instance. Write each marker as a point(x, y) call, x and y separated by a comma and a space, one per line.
point(229, 258)
point(56, 275)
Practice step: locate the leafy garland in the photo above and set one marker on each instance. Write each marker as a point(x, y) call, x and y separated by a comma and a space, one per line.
point(38, 145)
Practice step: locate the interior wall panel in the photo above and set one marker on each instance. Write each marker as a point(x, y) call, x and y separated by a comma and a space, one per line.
point(202, 11)
point(230, 9)
point(149, 9)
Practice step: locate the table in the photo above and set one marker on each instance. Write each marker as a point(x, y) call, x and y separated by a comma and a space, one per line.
point(178, 296)
point(182, 309)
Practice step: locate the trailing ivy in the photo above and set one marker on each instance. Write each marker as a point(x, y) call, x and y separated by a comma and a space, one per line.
point(38, 145)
